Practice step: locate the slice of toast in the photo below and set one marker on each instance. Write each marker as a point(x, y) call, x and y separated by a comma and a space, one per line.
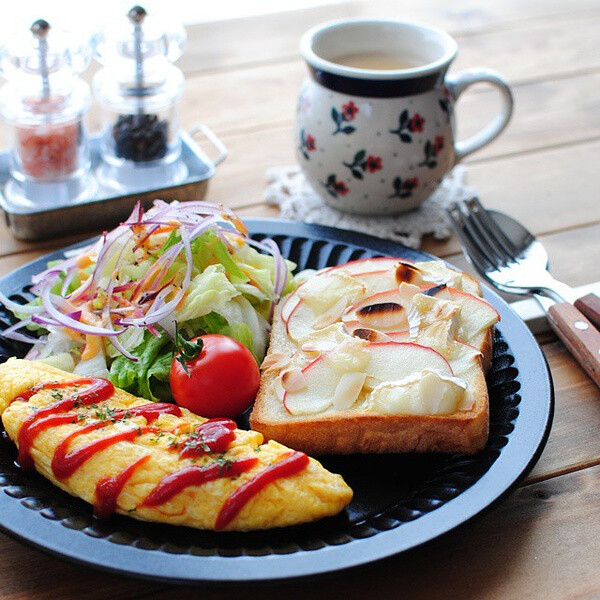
point(321, 426)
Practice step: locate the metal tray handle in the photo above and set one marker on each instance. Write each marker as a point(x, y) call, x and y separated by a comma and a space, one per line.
point(211, 136)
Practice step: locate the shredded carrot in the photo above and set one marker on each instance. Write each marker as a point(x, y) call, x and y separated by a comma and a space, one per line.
point(165, 229)
point(72, 334)
point(84, 261)
point(93, 345)
point(180, 303)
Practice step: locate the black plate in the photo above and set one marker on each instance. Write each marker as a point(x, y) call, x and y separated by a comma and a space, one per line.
point(401, 501)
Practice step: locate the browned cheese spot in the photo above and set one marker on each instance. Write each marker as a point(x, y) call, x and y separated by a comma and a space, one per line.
point(407, 272)
point(383, 308)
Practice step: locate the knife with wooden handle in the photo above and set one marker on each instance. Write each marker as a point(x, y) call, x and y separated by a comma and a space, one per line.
point(577, 333)
point(589, 305)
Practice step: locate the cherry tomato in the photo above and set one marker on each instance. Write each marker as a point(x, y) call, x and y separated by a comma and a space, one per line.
point(223, 379)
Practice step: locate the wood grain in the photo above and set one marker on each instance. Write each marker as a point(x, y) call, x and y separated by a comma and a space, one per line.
point(532, 187)
point(260, 39)
point(568, 113)
point(579, 335)
point(589, 305)
point(543, 541)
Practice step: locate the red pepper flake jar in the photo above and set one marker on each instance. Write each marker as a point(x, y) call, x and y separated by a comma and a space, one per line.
point(45, 103)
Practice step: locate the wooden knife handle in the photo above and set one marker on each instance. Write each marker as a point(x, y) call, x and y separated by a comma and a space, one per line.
point(579, 336)
point(589, 305)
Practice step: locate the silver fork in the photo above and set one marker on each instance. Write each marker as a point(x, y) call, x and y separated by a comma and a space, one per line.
point(510, 258)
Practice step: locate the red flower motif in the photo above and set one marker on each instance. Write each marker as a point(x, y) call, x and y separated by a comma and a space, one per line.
point(411, 183)
point(416, 123)
point(349, 111)
point(373, 163)
point(341, 188)
point(310, 143)
point(438, 144)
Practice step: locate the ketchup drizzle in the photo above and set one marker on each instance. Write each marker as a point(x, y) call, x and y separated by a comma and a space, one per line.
point(172, 484)
point(213, 435)
point(109, 488)
point(290, 465)
point(99, 390)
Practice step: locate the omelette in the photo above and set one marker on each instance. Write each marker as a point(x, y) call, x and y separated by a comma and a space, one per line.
point(157, 461)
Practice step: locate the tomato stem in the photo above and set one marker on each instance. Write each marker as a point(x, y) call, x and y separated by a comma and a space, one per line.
point(186, 350)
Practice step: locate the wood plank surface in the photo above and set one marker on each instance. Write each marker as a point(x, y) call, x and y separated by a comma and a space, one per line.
point(537, 198)
point(243, 76)
point(265, 38)
point(542, 542)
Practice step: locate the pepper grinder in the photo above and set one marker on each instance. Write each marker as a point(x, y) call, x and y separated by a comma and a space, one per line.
point(139, 89)
point(45, 104)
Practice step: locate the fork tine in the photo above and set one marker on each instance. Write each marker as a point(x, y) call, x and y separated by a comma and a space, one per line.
point(470, 228)
point(471, 250)
point(485, 238)
point(493, 228)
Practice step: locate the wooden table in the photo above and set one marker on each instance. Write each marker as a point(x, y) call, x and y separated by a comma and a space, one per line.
point(243, 75)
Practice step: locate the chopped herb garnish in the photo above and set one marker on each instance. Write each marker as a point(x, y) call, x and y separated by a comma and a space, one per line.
point(223, 463)
point(106, 413)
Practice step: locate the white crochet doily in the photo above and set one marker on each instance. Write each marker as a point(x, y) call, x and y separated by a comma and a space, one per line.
point(297, 200)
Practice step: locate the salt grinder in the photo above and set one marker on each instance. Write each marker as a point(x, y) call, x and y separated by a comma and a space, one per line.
point(139, 89)
point(45, 104)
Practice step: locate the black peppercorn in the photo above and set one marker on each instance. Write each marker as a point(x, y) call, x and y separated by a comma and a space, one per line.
point(141, 137)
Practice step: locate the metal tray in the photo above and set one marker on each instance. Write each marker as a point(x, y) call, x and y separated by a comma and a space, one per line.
point(105, 211)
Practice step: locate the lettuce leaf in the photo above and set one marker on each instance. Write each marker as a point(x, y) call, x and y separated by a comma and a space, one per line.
point(216, 323)
point(137, 377)
point(209, 291)
point(209, 249)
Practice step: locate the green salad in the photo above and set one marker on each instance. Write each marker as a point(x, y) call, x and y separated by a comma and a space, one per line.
point(112, 309)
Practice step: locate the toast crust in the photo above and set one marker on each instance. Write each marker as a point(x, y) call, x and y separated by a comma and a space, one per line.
point(352, 432)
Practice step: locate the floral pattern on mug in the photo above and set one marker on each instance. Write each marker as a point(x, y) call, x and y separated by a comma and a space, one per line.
point(348, 112)
point(431, 150)
point(335, 187)
point(363, 164)
point(413, 124)
point(404, 188)
point(307, 144)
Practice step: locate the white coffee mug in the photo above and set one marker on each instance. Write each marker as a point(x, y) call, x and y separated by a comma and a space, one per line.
point(378, 142)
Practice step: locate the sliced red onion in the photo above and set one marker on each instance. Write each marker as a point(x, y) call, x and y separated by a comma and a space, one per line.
point(54, 272)
point(69, 276)
point(202, 227)
point(281, 271)
point(20, 308)
point(69, 322)
point(106, 317)
point(42, 320)
point(137, 214)
point(32, 354)
point(123, 287)
point(156, 312)
point(102, 260)
point(163, 263)
point(12, 333)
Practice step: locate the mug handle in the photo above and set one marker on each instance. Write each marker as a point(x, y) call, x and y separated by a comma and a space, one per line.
point(457, 84)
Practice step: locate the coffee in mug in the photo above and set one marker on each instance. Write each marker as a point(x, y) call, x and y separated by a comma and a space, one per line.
point(375, 130)
point(378, 61)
